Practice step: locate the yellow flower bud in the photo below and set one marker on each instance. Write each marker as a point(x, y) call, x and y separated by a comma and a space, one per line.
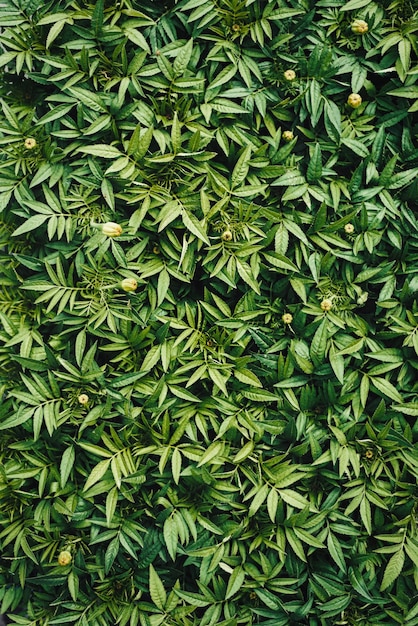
point(287, 318)
point(360, 27)
point(129, 284)
point(287, 136)
point(64, 558)
point(83, 398)
point(326, 305)
point(30, 143)
point(289, 75)
point(227, 235)
point(349, 228)
point(354, 100)
point(111, 229)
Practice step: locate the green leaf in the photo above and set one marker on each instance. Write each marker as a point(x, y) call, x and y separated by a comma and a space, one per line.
point(56, 113)
point(337, 364)
point(272, 504)
point(336, 552)
point(193, 599)
point(295, 499)
point(410, 408)
point(245, 452)
point(405, 92)
point(157, 591)
point(66, 465)
point(111, 554)
point(258, 499)
point(97, 473)
point(356, 146)
point(247, 377)
point(183, 58)
point(280, 261)
point(171, 536)
point(31, 224)
point(235, 582)
point(89, 98)
point(353, 5)
point(386, 388)
point(366, 515)
point(102, 150)
point(224, 76)
point(289, 179)
point(319, 343)
point(314, 171)
point(241, 168)
point(111, 502)
point(213, 451)
point(192, 223)
point(176, 461)
point(244, 270)
point(393, 569)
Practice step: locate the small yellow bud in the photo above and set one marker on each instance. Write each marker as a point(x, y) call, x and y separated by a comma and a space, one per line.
point(287, 136)
point(156, 250)
point(83, 398)
point(360, 27)
point(326, 305)
point(287, 318)
point(30, 143)
point(129, 284)
point(236, 28)
point(111, 229)
point(354, 100)
point(349, 228)
point(64, 558)
point(227, 235)
point(289, 75)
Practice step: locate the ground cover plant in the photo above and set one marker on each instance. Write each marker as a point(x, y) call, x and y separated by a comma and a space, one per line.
point(209, 321)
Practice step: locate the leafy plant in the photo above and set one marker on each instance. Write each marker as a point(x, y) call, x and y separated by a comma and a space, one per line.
point(209, 340)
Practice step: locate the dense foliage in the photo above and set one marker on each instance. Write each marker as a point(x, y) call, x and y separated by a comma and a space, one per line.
point(209, 320)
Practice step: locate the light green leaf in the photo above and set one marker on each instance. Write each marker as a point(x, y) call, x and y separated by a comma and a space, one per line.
point(235, 582)
point(272, 504)
point(295, 499)
point(192, 223)
point(102, 150)
point(241, 168)
point(393, 569)
point(335, 550)
point(111, 502)
point(66, 465)
point(386, 388)
point(215, 450)
point(31, 224)
point(356, 146)
point(258, 499)
point(156, 587)
point(244, 270)
point(244, 453)
point(353, 5)
point(319, 343)
point(170, 534)
point(192, 599)
point(97, 473)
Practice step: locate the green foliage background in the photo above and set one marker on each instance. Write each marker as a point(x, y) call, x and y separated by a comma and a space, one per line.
point(229, 466)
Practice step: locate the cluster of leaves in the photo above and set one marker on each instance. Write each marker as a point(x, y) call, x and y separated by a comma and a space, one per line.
point(214, 447)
